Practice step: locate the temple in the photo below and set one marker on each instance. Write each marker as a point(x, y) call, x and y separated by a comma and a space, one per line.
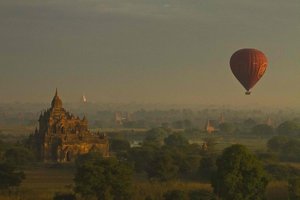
point(61, 136)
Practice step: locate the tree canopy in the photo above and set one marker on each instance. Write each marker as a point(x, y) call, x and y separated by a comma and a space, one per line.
point(156, 136)
point(227, 127)
point(262, 130)
point(289, 128)
point(277, 143)
point(176, 139)
point(163, 167)
point(9, 176)
point(104, 178)
point(294, 188)
point(239, 175)
point(287, 148)
point(18, 156)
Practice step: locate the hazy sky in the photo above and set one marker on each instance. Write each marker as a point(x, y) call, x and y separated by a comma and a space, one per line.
point(147, 51)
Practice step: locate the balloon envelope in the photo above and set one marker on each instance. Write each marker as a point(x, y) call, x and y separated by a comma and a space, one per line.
point(248, 66)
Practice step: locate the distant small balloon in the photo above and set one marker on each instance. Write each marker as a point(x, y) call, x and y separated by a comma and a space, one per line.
point(248, 66)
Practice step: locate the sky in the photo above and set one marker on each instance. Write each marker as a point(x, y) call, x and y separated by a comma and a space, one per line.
point(147, 51)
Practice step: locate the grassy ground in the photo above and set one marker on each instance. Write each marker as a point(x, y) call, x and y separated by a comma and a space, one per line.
point(46, 181)
point(277, 190)
point(156, 190)
point(43, 182)
point(251, 143)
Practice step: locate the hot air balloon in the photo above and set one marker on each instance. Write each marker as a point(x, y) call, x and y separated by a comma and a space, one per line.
point(248, 66)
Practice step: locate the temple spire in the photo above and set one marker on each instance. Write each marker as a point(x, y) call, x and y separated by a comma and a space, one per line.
point(56, 101)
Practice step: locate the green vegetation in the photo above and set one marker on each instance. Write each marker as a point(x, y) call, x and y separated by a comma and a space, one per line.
point(294, 188)
point(104, 178)
point(9, 176)
point(277, 143)
point(119, 145)
point(239, 176)
point(227, 127)
point(162, 167)
point(286, 148)
point(277, 190)
point(207, 167)
point(156, 136)
point(18, 156)
point(289, 128)
point(43, 181)
point(176, 140)
point(64, 196)
point(167, 159)
point(119, 148)
point(159, 190)
point(176, 161)
point(176, 195)
point(262, 130)
point(282, 172)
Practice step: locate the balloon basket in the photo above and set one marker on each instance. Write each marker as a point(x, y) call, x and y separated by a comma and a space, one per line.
point(247, 93)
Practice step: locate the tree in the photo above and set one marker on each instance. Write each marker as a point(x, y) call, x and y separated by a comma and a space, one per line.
point(18, 156)
point(3, 147)
point(187, 162)
point(185, 156)
point(282, 172)
point(119, 145)
point(291, 151)
point(176, 195)
point(187, 124)
point(262, 130)
point(156, 136)
point(207, 167)
point(227, 127)
point(163, 167)
point(142, 156)
point(277, 143)
point(176, 139)
point(239, 176)
point(250, 122)
point(288, 148)
point(211, 143)
point(294, 189)
point(201, 195)
point(64, 196)
point(103, 178)
point(288, 128)
point(178, 124)
point(9, 176)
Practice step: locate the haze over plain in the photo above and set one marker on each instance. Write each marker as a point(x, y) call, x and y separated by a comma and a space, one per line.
point(158, 51)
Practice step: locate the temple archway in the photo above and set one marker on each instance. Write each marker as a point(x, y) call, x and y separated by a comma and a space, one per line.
point(69, 156)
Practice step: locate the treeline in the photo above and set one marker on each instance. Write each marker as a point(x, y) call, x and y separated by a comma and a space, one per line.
point(14, 157)
point(182, 118)
point(162, 156)
point(165, 156)
point(253, 128)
